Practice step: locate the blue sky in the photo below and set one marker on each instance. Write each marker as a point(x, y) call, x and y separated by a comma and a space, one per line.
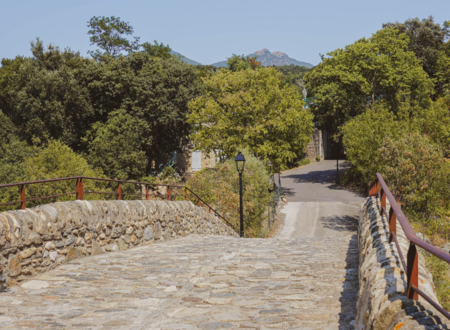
point(210, 31)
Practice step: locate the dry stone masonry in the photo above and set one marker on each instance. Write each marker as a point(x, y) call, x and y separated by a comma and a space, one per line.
point(196, 282)
point(382, 302)
point(36, 240)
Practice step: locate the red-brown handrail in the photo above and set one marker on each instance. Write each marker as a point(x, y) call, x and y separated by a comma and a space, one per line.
point(80, 192)
point(378, 188)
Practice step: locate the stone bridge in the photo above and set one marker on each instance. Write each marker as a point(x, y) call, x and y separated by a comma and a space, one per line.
point(172, 265)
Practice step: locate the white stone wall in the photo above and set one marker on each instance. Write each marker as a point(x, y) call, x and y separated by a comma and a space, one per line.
point(382, 302)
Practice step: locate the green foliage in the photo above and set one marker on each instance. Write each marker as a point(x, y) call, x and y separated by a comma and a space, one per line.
point(13, 152)
point(318, 159)
point(118, 146)
point(157, 50)
point(304, 161)
point(381, 67)
point(238, 63)
point(427, 41)
point(109, 34)
point(249, 109)
point(53, 161)
point(44, 98)
point(413, 163)
point(219, 187)
point(441, 279)
point(364, 135)
point(293, 75)
point(152, 90)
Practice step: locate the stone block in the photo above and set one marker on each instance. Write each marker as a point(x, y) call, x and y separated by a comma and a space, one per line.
point(73, 253)
point(96, 249)
point(14, 267)
point(148, 233)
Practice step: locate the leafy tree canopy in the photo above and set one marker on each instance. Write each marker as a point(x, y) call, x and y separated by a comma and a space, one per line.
point(250, 109)
point(349, 79)
point(157, 50)
point(118, 146)
point(44, 97)
point(426, 40)
point(109, 34)
point(237, 63)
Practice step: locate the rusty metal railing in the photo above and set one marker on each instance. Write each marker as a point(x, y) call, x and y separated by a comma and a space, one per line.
point(80, 192)
point(378, 188)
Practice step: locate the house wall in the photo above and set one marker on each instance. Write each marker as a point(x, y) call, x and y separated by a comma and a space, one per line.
point(315, 147)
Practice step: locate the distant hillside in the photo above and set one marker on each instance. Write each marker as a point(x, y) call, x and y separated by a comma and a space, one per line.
point(267, 59)
point(185, 59)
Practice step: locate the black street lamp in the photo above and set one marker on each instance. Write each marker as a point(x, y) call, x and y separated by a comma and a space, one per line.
point(240, 163)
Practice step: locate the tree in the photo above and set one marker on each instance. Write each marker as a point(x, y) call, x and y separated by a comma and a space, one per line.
point(118, 146)
point(350, 79)
point(237, 63)
point(365, 134)
point(250, 109)
point(157, 50)
point(108, 33)
point(150, 89)
point(45, 96)
point(426, 40)
point(414, 164)
point(13, 152)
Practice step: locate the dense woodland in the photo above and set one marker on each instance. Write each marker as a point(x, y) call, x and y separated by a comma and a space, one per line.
point(124, 109)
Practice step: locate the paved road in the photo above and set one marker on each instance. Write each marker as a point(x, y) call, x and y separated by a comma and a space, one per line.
point(196, 282)
point(317, 206)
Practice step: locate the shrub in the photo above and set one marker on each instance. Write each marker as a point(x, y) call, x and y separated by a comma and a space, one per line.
point(414, 164)
point(304, 161)
point(364, 135)
point(219, 187)
point(54, 161)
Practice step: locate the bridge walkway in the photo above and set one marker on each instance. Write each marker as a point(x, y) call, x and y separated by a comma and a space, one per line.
point(302, 280)
point(195, 282)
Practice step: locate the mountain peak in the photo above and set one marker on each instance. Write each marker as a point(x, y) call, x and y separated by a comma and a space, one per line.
point(262, 52)
point(279, 54)
point(268, 59)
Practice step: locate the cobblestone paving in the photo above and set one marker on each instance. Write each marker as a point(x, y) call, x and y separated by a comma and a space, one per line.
point(196, 282)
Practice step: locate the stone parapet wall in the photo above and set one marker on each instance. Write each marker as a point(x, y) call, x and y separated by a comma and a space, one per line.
point(38, 239)
point(382, 302)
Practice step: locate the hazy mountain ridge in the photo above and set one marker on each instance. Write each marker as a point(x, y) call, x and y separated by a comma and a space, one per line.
point(184, 58)
point(268, 59)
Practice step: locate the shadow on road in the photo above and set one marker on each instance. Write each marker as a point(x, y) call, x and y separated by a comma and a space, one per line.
point(327, 178)
point(340, 223)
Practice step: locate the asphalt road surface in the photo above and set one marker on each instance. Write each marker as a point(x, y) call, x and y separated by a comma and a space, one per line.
point(318, 207)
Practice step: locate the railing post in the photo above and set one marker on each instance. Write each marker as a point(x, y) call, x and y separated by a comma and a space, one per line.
point(412, 271)
point(383, 200)
point(22, 197)
point(79, 189)
point(392, 224)
point(168, 193)
point(146, 192)
point(119, 192)
point(185, 194)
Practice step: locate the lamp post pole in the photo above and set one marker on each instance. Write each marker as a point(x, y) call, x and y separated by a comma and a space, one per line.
point(240, 164)
point(241, 206)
